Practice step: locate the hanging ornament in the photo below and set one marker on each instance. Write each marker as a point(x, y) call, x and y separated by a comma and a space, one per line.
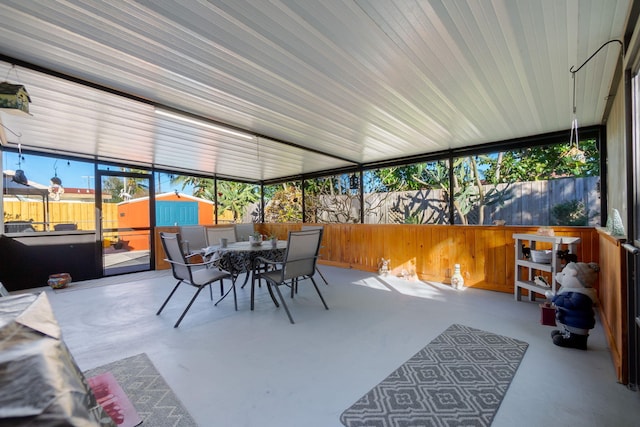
point(574, 151)
point(55, 188)
point(19, 175)
point(55, 185)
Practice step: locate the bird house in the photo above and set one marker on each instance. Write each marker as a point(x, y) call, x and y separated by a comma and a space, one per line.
point(14, 99)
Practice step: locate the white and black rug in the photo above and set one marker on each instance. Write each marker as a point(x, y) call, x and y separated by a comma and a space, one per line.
point(153, 399)
point(458, 379)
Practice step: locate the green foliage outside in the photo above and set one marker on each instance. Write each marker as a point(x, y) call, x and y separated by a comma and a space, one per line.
point(542, 163)
point(285, 203)
point(476, 178)
point(115, 186)
point(570, 213)
point(477, 182)
point(233, 196)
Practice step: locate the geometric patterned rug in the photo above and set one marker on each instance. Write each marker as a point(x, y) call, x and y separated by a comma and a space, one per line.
point(154, 400)
point(458, 379)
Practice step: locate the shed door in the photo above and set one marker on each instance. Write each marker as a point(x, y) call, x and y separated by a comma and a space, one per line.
point(170, 213)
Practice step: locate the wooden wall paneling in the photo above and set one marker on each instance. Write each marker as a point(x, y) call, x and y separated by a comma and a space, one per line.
point(475, 272)
point(593, 251)
point(457, 250)
point(161, 264)
point(404, 248)
point(484, 252)
point(362, 253)
point(441, 257)
point(414, 248)
point(437, 247)
point(326, 249)
point(335, 244)
point(372, 250)
point(429, 250)
point(613, 301)
point(392, 242)
point(379, 246)
point(347, 246)
point(468, 265)
point(343, 241)
point(423, 236)
point(483, 243)
point(506, 284)
point(503, 267)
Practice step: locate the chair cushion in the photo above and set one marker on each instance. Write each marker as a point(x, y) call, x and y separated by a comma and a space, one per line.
point(204, 276)
point(273, 275)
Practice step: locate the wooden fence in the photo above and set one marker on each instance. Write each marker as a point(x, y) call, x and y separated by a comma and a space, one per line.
point(523, 203)
point(82, 214)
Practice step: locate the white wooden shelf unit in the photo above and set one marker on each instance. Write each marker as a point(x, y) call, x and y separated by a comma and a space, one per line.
point(526, 269)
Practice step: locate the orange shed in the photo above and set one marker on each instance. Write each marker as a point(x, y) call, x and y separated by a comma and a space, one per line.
point(171, 209)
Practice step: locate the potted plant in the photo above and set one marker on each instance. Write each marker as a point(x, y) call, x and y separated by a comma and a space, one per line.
point(255, 238)
point(273, 239)
point(115, 242)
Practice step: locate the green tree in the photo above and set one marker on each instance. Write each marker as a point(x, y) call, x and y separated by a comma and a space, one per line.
point(115, 186)
point(571, 213)
point(285, 203)
point(233, 196)
point(479, 181)
point(199, 185)
point(542, 163)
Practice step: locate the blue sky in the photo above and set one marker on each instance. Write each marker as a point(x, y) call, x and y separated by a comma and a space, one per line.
point(73, 173)
point(40, 169)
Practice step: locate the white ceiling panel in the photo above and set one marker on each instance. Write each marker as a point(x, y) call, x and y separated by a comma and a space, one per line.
point(319, 85)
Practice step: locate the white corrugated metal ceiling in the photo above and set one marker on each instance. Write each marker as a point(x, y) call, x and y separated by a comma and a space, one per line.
point(353, 81)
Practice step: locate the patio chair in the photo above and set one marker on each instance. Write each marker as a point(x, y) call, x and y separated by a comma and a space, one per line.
point(316, 227)
point(243, 231)
point(214, 234)
point(195, 274)
point(299, 264)
point(194, 238)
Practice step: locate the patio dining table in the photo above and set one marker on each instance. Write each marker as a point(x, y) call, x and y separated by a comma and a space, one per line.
point(238, 257)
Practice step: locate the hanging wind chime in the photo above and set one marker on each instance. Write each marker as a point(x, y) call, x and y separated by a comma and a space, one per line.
point(55, 185)
point(19, 175)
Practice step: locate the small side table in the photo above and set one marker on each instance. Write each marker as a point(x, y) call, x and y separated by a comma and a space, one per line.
point(526, 268)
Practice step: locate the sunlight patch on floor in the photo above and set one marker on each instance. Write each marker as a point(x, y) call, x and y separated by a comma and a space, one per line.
point(373, 283)
point(415, 288)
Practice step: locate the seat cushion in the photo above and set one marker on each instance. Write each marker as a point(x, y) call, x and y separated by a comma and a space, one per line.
point(207, 275)
point(273, 275)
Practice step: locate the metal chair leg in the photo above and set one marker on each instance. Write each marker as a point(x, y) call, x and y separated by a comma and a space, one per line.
point(253, 289)
point(319, 294)
point(284, 304)
point(232, 288)
point(246, 279)
point(188, 307)
point(169, 297)
point(322, 276)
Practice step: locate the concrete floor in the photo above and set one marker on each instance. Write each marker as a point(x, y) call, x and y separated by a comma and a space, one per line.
point(256, 369)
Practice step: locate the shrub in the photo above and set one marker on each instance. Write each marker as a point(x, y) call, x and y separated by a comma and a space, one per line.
point(571, 212)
